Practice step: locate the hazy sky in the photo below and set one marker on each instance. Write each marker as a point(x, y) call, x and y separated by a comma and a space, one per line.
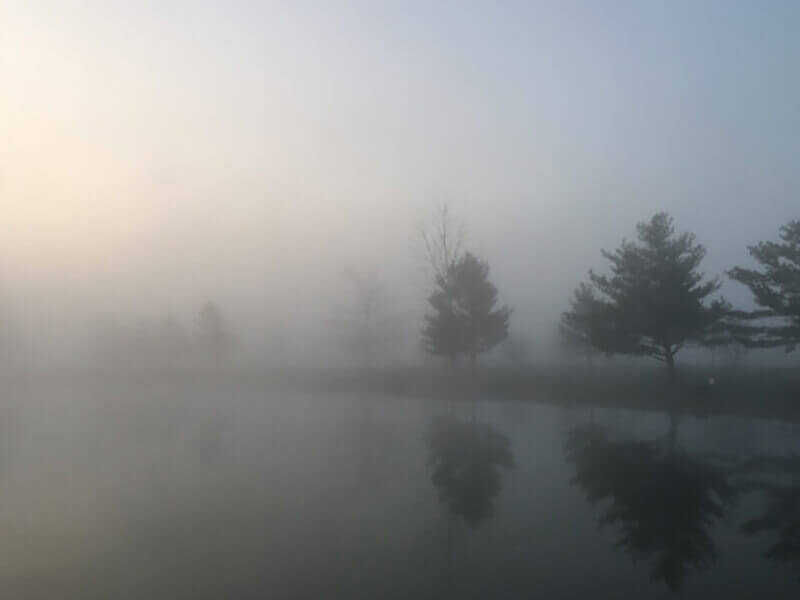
point(157, 154)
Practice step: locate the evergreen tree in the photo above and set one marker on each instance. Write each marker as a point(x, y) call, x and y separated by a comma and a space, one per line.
point(464, 319)
point(776, 289)
point(652, 303)
point(582, 327)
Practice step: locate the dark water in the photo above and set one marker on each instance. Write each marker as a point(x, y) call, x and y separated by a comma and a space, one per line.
point(212, 494)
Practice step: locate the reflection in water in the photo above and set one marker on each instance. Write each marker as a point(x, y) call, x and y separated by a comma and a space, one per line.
point(782, 512)
point(663, 500)
point(465, 458)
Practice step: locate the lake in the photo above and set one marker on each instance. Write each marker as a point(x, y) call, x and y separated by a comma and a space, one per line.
point(176, 491)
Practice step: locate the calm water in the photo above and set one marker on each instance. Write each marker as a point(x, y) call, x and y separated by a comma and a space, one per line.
point(215, 494)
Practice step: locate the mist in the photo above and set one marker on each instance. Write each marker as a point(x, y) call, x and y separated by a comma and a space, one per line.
point(156, 159)
point(240, 356)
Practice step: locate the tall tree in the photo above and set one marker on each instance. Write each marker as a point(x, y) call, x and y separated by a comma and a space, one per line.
point(465, 320)
point(653, 302)
point(776, 289)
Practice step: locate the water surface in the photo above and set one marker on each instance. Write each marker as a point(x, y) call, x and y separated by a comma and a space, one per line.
point(210, 493)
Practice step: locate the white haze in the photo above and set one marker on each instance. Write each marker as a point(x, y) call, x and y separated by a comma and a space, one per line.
point(155, 156)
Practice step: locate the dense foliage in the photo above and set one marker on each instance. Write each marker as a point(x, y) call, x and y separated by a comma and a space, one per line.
point(776, 289)
point(465, 320)
point(653, 301)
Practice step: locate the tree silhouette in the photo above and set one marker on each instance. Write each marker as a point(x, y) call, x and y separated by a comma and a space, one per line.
point(363, 319)
point(775, 288)
point(464, 319)
point(212, 331)
point(582, 328)
point(465, 459)
point(442, 240)
point(653, 301)
point(663, 500)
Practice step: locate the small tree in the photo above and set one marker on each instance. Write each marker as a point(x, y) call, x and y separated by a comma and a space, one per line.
point(363, 318)
point(775, 288)
point(653, 301)
point(464, 319)
point(212, 331)
point(369, 297)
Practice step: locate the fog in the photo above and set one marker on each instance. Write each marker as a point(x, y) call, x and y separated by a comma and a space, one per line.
point(309, 299)
point(155, 158)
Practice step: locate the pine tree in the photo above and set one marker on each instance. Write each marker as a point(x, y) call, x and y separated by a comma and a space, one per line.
point(464, 320)
point(582, 327)
point(652, 303)
point(775, 288)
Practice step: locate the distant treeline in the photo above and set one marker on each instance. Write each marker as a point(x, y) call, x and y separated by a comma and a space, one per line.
point(652, 301)
point(165, 342)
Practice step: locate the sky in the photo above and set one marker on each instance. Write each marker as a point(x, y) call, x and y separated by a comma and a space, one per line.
point(155, 155)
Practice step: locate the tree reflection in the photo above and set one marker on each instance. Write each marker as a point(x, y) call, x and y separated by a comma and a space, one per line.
point(781, 516)
point(663, 500)
point(465, 458)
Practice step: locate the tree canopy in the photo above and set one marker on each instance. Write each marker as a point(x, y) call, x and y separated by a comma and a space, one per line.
point(583, 327)
point(776, 289)
point(464, 320)
point(653, 301)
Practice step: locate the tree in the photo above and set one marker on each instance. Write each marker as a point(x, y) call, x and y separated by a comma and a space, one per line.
point(212, 331)
point(464, 319)
point(652, 304)
point(775, 288)
point(442, 241)
point(582, 328)
point(369, 296)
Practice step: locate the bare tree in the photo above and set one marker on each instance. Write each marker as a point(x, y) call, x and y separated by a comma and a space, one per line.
point(360, 321)
point(213, 336)
point(443, 241)
point(369, 298)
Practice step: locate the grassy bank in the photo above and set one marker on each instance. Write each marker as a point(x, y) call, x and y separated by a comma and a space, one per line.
point(747, 391)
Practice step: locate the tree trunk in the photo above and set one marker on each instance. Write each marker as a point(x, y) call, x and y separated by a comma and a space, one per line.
point(672, 389)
